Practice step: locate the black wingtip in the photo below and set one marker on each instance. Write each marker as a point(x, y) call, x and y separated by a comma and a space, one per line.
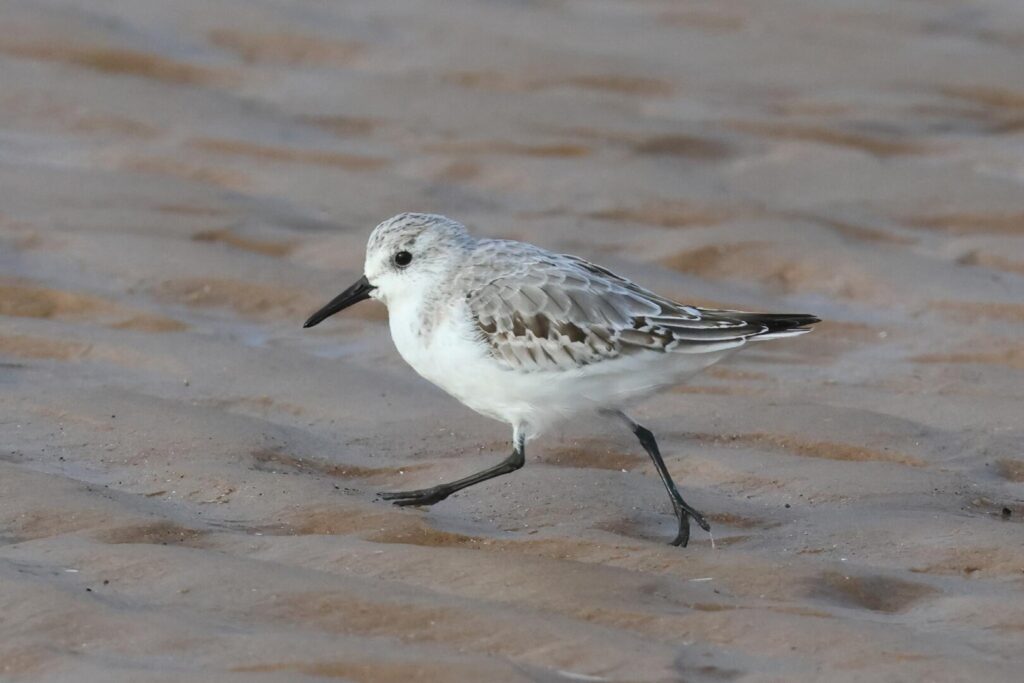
point(780, 322)
point(794, 322)
point(805, 320)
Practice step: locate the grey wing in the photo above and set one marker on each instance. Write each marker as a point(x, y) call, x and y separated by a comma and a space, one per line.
point(561, 312)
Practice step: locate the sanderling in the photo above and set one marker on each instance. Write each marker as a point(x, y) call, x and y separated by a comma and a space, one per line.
point(531, 338)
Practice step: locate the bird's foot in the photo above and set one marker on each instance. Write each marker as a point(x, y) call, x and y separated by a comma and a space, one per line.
point(683, 535)
point(684, 512)
point(435, 494)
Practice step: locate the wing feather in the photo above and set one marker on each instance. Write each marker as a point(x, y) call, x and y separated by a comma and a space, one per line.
point(543, 311)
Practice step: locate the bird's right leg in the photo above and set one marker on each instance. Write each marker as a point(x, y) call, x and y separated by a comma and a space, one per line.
point(436, 494)
point(683, 509)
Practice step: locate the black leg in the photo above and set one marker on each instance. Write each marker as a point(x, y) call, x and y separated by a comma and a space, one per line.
point(682, 508)
point(435, 494)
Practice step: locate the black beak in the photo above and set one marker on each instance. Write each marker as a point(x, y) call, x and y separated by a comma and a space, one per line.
point(360, 291)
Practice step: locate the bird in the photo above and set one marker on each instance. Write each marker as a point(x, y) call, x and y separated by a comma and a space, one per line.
point(533, 338)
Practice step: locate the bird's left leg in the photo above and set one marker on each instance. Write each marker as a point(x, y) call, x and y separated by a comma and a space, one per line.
point(436, 494)
point(683, 509)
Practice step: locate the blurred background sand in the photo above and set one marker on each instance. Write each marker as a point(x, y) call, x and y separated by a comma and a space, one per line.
point(187, 477)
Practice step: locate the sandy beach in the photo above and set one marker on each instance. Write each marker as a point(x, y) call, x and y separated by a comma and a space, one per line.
point(188, 478)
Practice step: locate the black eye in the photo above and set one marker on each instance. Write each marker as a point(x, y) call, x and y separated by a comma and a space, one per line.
point(402, 259)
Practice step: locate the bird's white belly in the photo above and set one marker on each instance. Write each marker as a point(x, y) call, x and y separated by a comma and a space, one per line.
point(450, 357)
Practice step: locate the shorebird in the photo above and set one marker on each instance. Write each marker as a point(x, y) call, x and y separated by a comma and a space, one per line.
point(531, 337)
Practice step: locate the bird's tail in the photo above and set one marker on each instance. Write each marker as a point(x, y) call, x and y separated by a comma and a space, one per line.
point(778, 325)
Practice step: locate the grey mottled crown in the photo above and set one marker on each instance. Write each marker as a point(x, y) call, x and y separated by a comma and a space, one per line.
point(406, 227)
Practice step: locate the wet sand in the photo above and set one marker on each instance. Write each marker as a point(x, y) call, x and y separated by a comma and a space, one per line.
point(187, 478)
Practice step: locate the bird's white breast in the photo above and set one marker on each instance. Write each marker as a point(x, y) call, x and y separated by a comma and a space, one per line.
point(444, 351)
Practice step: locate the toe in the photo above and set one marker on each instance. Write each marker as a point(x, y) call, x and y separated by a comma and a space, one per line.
point(407, 502)
point(697, 516)
point(424, 497)
point(396, 495)
point(683, 535)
